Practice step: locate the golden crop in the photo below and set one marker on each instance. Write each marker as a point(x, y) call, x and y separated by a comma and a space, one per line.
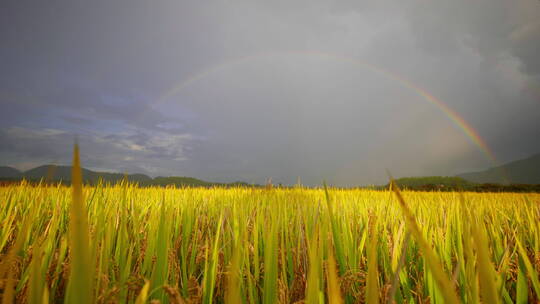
point(125, 244)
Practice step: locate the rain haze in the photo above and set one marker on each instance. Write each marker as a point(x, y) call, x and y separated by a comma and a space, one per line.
point(249, 90)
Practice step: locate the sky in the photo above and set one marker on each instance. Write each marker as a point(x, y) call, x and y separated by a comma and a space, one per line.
point(251, 90)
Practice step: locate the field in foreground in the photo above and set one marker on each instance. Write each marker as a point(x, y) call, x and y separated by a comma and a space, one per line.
point(266, 245)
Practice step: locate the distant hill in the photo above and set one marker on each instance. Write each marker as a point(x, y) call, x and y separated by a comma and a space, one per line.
point(524, 171)
point(54, 173)
point(453, 183)
point(63, 173)
point(8, 172)
point(179, 181)
point(184, 181)
point(433, 183)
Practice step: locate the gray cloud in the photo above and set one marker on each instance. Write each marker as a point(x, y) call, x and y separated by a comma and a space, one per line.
point(494, 29)
point(158, 153)
point(97, 70)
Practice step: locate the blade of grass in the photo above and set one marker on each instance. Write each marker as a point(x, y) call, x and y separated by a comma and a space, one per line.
point(445, 285)
point(81, 271)
point(335, 233)
point(533, 275)
point(210, 273)
point(401, 262)
point(313, 280)
point(372, 281)
point(233, 293)
point(522, 290)
point(486, 272)
point(270, 266)
point(143, 294)
point(334, 292)
point(8, 263)
point(36, 283)
point(160, 273)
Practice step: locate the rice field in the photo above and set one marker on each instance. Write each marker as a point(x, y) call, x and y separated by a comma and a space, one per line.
point(125, 244)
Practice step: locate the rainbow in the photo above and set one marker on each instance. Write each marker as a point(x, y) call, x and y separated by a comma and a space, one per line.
point(454, 117)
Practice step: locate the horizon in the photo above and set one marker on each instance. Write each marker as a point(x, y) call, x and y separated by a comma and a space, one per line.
point(502, 174)
point(246, 91)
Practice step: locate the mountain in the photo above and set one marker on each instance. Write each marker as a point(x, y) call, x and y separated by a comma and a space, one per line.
point(63, 173)
point(524, 171)
point(179, 181)
point(54, 173)
point(433, 182)
point(184, 181)
point(8, 172)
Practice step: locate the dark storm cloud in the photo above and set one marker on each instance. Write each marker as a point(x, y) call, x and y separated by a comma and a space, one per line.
point(97, 69)
point(81, 106)
point(158, 153)
point(493, 28)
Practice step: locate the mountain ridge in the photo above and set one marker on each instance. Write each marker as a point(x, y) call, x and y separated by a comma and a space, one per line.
point(521, 171)
point(61, 173)
point(9, 172)
point(57, 173)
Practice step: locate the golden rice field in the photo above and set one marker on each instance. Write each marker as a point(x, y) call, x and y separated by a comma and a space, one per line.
point(124, 244)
